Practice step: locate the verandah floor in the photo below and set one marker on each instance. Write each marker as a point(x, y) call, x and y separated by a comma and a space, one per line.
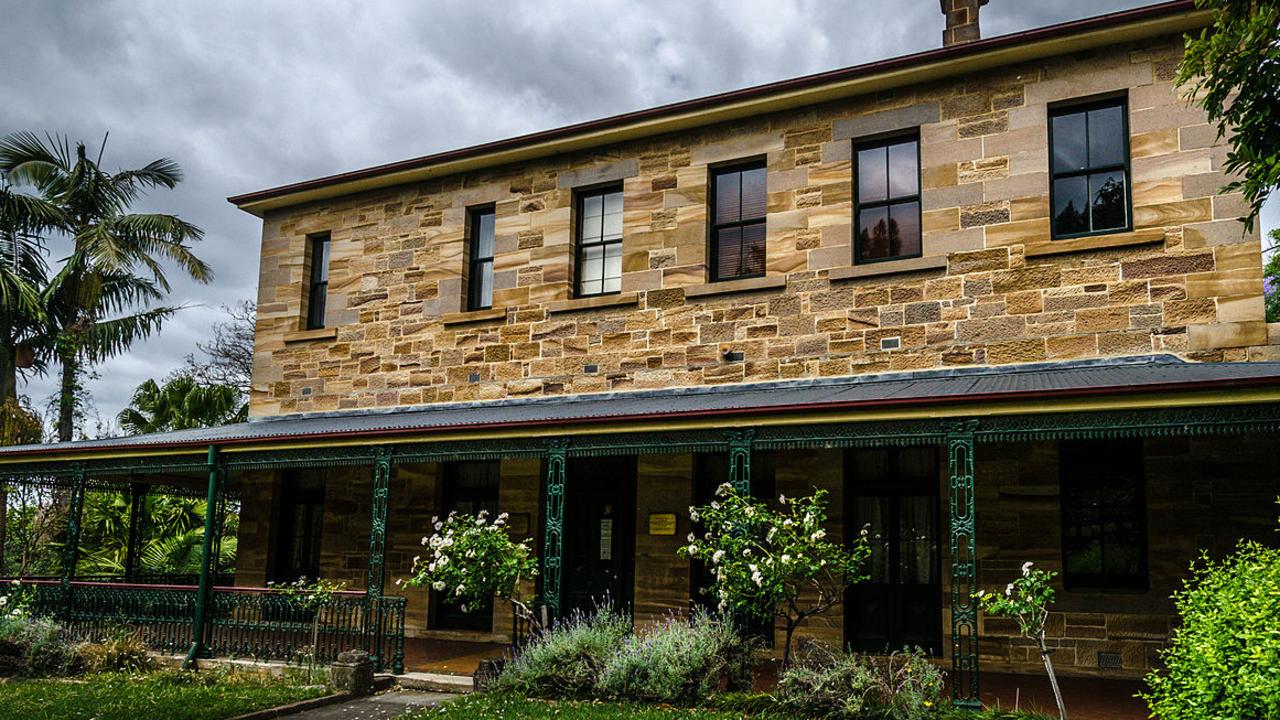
point(1086, 698)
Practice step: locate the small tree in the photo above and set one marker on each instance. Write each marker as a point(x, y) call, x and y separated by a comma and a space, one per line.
point(311, 597)
point(471, 559)
point(1222, 660)
point(1027, 600)
point(774, 563)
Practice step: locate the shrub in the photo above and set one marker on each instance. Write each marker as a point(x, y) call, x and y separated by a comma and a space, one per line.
point(565, 660)
point(1221, 662)
point(34, 647)
point(682, 660)
point(901, 686)
point(125, 652)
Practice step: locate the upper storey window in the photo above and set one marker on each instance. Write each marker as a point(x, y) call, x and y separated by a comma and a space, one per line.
point(738, 216)
point(599, 241)
point(318, 282)
point(1090, 149)
point(888, 200)
point(480, 266)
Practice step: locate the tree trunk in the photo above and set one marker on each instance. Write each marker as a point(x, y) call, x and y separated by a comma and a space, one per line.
point(1053, 679)
point(67, 397)
point(786, 649)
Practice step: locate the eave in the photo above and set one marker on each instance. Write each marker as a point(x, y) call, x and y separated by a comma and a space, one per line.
point(1142, 23)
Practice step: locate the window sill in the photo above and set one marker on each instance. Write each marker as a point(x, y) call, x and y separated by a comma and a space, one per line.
point(324, 333)
point(593, 302)
point(473, 316)
point(735, 286)
point(1146, 236)
point(888, 267)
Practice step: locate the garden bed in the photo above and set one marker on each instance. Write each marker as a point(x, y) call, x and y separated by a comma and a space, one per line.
point(209, 695)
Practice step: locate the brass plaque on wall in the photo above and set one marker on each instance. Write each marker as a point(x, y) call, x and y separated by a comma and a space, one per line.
point(662, 524)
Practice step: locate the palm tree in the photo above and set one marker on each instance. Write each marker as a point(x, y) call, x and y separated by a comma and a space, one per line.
point(116, 263)
point(179, 404)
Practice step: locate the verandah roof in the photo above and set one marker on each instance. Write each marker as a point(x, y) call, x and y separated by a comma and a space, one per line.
point(939, 393)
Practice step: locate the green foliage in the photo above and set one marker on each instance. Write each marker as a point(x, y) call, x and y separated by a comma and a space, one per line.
point(565, 660)
point(768, 562)
point(124, 652)
point(679, 661)
point(471, 560)
point(1223, 662)
point(1026, 600)
point(824, 684)
point(309, 594)
point(511, 706)
point(206, 695)
point(171, 539)
point(34, 647)
point(1233, 68)
point(180, 404)
point(1271, 280)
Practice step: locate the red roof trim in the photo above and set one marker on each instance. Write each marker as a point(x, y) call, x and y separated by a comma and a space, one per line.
point(949, 401)
point(799, 83)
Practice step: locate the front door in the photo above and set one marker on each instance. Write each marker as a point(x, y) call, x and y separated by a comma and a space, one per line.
point(893, 492)
point(599, 533)
point(466, 488)
point(299, 526)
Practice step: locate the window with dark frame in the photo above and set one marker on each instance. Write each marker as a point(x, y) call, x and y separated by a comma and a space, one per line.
point(318, 283)
point(1104, 515)
point(480, 258)
point(739, 204)
point(1089, 149)
point(887, 200)
point(599, 257)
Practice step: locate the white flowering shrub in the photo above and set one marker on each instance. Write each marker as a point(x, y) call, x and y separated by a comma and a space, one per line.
point(15, 600)
point(774, 563)
point(1027, 600)
point(471, 558)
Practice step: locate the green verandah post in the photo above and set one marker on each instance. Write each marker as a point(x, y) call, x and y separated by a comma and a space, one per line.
point(71, 549)
point(375, 576)
point(204, 592)
point(964, 567)
point(553, 524)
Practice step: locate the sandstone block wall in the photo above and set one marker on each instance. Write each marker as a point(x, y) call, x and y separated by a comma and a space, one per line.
point(991, 288)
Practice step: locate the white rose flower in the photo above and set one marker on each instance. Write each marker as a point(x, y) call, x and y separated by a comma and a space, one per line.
point(1008, 590)
point(786, 558)
point(1026, 568)
point(437, 585)
point(782, 499)
point(718, 556)
point(692, 538)
point(818, 535)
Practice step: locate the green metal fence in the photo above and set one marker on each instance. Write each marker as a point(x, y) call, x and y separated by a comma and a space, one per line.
point(256, 623)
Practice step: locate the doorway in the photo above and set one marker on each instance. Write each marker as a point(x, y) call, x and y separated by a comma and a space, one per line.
point(299, 526)
point(599, 533)
point(466, 488)
point(893, 492)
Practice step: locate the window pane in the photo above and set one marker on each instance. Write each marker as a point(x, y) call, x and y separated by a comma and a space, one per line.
point(592, 264)
point(873, 174)
point(613, 203)
point(754, 194)
point(591, 228)
point(590, 287)
point(729, 253)
point(873, 233)
point(904, 171)
point(904, 229)
point(612, 263)
point(753, 249)
point(484, 297)
point(1069, 151)
point(592, 206)
point(1108, 196)
point(1070, 205)
point(728, 197)
point(1106, 136)
point(613, 226)
point(320, 261)
point(484, 235)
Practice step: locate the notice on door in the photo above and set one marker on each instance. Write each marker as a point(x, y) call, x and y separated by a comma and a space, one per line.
point(606, 539)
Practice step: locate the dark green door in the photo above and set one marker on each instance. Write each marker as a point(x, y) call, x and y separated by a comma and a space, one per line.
point(599, 533)
point(893, 492)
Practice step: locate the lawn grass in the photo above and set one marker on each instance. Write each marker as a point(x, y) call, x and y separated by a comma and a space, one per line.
point(208, 695)
point(501, 706)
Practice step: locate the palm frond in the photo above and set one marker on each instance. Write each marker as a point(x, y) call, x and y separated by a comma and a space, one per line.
point(108, 338)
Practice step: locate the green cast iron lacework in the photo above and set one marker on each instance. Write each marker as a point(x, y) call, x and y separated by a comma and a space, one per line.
point(740, 460)
point(378, 523)
point(964, 567)
point(553, 522)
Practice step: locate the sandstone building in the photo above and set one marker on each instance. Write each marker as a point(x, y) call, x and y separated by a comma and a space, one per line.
point(988, 296)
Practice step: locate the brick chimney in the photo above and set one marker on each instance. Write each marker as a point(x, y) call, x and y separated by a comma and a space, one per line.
point(962, 21)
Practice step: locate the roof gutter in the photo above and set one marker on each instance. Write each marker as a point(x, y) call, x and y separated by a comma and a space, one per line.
point(942, 404)
point(1151, 21)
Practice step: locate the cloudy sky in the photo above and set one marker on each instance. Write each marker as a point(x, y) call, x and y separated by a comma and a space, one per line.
point(248, 95)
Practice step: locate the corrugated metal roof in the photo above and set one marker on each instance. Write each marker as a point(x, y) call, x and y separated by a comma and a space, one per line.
point(950, 386)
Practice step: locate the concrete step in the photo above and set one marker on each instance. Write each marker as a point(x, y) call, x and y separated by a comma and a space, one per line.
point(435, 682)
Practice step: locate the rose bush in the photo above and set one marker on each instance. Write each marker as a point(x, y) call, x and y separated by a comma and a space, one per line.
point(1027, 600)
